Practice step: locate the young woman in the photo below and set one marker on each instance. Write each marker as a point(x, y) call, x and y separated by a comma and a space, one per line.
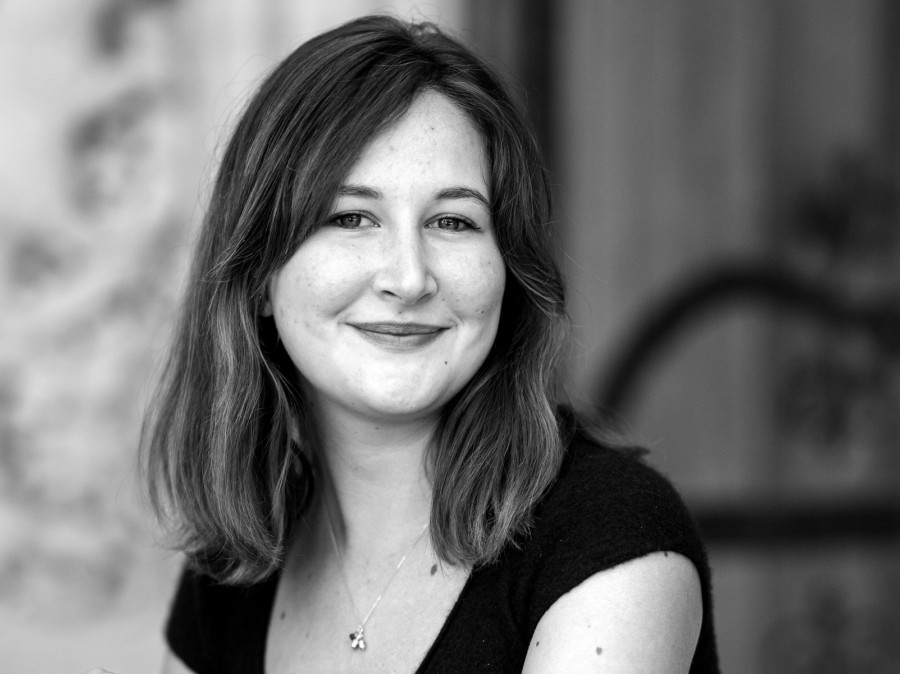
point(355, 435)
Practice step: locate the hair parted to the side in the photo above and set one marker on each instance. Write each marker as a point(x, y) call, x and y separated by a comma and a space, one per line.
point(222, 469)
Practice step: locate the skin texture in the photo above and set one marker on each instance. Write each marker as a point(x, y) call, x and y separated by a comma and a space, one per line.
point(410, 242)
point(642, 617)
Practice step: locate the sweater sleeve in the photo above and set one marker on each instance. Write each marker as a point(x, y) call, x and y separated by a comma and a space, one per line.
point(605, 508)
point(215, 629)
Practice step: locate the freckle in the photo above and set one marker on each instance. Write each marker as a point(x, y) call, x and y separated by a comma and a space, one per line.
point(665, 554)
point(283, 614)
point(599, 650)
point(537, 643)
point(445, 362)
point(433, 569)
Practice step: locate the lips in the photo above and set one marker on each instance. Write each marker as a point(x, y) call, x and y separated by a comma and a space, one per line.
point(400, 335)
point(399, 328)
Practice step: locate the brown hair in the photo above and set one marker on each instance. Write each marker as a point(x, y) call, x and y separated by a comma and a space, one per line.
point(217, 445)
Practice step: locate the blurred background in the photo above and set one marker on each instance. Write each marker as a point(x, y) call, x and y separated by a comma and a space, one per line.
point(726, 179)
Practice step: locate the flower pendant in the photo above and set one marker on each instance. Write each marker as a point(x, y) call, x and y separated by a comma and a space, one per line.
point(358, 639)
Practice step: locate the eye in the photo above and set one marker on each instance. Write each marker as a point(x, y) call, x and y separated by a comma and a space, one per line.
point(452, 223)
point(351, 221)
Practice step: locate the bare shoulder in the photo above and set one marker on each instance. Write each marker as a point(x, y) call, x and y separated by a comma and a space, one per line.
point(173, 665)
point(640, 616)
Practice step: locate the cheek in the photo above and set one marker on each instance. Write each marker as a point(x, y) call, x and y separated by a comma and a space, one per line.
point(311, 285)
point(478, 291)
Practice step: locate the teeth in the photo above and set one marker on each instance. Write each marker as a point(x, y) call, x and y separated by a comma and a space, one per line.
point(401, 330)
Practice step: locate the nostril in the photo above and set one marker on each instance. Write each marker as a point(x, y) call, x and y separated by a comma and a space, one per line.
point(408, 277)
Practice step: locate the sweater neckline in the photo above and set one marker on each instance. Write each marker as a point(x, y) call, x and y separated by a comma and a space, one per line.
point(269, 606)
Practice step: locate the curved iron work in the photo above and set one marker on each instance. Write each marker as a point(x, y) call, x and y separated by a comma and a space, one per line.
point(728, 283)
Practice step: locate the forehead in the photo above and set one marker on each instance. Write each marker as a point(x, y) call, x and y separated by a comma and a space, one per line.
point(434, 140)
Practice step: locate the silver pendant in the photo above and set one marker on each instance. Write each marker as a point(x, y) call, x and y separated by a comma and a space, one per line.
point(358, 639)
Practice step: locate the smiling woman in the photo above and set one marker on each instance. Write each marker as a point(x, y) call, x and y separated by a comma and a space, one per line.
point(355, 435)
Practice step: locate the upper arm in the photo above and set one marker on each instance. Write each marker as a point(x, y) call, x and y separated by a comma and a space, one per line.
point(641, 616)
point(173, 665)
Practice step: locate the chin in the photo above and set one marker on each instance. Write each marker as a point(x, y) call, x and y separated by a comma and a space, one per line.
point(404, 411)
point(404, 408)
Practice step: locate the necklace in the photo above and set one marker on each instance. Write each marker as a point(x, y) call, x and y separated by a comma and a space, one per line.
point(358, 638)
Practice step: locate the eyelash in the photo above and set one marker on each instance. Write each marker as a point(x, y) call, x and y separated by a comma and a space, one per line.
point(462, 223)
point(336, 219)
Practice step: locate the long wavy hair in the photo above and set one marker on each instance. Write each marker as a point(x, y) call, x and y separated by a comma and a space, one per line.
point(221, 466)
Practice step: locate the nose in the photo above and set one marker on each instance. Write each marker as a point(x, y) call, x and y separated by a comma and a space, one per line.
point(406, 274)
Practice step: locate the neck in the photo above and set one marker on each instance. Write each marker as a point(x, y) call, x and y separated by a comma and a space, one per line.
point(373, 479)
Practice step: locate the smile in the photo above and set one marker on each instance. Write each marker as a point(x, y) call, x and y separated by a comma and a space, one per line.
point(399, 335)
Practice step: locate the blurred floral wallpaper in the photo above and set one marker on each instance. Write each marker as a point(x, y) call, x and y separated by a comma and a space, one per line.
point(92, 239)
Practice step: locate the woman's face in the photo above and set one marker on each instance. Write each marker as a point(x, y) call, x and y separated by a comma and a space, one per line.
point(390, 307)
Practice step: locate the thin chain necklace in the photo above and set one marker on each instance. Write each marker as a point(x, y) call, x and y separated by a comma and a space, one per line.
point(358, 638)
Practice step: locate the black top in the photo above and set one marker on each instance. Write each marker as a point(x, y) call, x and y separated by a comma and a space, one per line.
point(605, 508)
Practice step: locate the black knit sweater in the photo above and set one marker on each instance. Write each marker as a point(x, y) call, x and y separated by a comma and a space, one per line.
point(605, 508)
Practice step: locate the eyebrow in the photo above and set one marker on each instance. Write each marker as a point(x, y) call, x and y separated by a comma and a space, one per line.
point(358, 191)
point(463, 193)
point(365, 192)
